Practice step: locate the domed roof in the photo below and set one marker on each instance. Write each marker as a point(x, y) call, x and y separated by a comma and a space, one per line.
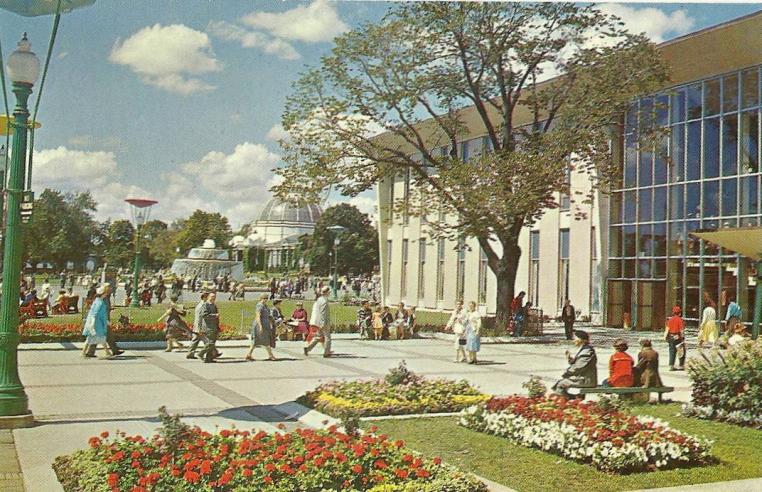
point(276, 210)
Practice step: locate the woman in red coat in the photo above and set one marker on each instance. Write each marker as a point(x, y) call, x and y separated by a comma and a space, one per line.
point(620, 367)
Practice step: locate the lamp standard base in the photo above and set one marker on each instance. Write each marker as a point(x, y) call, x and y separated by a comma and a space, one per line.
point(17, 421)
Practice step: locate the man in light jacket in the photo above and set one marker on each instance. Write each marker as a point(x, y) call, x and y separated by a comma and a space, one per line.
point(320, 318)
point(198, 336)
point(582, 371)
point(210, 325)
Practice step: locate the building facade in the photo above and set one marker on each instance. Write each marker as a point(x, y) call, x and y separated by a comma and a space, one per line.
point(628, 257)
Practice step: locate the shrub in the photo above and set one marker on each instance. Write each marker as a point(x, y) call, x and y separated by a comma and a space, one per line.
point(535, 387)
point(726, 386)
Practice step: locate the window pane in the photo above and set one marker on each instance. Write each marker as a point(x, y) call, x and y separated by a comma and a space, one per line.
point(629, 269)
point(662, 108)
point(660, 268)
point(693, 245)
point(534, 245)
point(630, 203)
point(615, 268)
point(749, 195)
point(711, 97)
point(730, 93)
point(677, 106)
point(644, 269)
point(749, 88)
point(730, 145)
point(676, 238)
point(676, 205)
point(646, 113)
point(693, 164)
point(630, 159)
point(749, 142)
point(630, 244)
point(729, 196)
point(660, 239)
point(711, 148)
point(677, 154)
point(710, 198)
point(660, 161)
point(645, 173)
point(615, 207)
point(645, 240)
point(660, 203)
point(644, 204)
point(564, 244)
point(694, 101)
point(693, 200)
point(615, 241)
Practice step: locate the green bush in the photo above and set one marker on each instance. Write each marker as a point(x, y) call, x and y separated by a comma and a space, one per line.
point(727, 385)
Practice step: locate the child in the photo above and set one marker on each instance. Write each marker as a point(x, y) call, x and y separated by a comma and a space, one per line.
point(378, 324)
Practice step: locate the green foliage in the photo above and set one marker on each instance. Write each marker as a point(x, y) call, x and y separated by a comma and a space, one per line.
point(430, 71)
point(119, 245)
point(399, 375)
point(535, 387)
point(612, 403)
point(172, 431)
point(200, 226)
point(727, 385)
point(358, 248)
point(62, 228)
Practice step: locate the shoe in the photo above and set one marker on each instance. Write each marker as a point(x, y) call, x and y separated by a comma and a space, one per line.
point(167, 349)
point(681, 368)
point(210, 361)
point(218, 355)
point(118, 352)
point(89, 356)
point(306, 352)
point(191, 356)
point(272, 358)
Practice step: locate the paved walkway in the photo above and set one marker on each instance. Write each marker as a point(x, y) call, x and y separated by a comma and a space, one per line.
point(74, 398)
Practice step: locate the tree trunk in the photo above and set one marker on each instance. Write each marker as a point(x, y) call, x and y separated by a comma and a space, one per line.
point(505, 274)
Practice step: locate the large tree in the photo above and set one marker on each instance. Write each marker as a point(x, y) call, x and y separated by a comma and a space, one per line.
point(119, 244)
point(200, 226)
point(62, 229)
point(430, 73)
point(358, 248)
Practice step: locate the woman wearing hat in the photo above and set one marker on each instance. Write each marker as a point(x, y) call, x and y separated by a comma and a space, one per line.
point(675, 335)
point(620, 367)
point(175, 328)
point(301, 318)
point(96, 325)
point(262, 332)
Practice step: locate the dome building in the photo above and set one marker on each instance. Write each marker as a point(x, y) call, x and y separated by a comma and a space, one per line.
point(278, 227)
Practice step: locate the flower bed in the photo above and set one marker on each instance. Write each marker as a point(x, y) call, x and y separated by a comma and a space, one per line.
point(609, 439)
point(400, 393)
point(232, 460)
point(72, 332)
point(727, 386)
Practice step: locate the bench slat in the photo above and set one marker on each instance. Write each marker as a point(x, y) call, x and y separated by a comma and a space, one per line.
point(601, 389)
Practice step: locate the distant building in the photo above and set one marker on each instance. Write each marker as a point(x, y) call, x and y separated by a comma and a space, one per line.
point(277, 229)
point(632, 254)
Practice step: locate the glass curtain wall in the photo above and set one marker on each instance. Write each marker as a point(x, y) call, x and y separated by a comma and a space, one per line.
point(701, 174)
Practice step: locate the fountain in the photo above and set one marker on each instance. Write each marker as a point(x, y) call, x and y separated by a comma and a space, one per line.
point(208, 262)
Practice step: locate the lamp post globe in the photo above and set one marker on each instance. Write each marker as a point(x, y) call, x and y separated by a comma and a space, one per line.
point(23, 69)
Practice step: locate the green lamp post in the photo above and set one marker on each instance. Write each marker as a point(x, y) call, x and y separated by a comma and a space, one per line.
point(140, 209)
point(23, 70)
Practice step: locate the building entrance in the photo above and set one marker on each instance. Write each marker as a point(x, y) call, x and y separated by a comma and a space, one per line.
point(637, 304)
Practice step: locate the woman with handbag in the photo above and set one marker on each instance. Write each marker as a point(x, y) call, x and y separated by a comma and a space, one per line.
point(456, 325)
point(262, 330)
point(96, 325)
point(473, 332)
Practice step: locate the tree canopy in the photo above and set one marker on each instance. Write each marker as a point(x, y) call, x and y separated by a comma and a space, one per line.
point(430, 73)
point(200, 226)
point(358, 248)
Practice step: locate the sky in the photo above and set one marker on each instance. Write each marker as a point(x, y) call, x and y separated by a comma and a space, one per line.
point(181, 101)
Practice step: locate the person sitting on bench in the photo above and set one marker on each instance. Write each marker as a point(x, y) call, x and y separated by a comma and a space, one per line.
point(647, 370)
point(582, 371)
point(620, 367)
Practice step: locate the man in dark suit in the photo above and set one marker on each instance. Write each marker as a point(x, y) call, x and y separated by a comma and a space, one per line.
point(582, 371)
point(568, 316)
point(210, 324)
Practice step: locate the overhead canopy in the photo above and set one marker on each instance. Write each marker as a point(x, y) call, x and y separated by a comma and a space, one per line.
point(33, 8)
point(746, 241)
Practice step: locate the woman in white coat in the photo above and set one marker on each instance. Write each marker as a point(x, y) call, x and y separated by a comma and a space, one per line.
point(457, 325)
point(473, 332)
point(709, 332)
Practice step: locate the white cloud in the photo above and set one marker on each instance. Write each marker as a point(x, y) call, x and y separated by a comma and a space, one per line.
point(312, 23)
point(276, 132)
point(253, 39)
point(168, 57)
point(365, 202)
point(654, 22)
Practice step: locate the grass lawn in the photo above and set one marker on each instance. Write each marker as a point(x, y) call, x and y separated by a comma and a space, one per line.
point(230, 314)
point(738, 449)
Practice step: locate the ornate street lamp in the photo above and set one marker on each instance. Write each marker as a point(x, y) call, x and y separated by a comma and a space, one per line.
point(336, 230)
point(140, 209)
point(23, 69)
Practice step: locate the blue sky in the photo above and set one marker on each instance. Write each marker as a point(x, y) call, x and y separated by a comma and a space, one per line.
point(181, 100)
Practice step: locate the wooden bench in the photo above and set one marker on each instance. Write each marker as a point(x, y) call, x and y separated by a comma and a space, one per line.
point(627, 391)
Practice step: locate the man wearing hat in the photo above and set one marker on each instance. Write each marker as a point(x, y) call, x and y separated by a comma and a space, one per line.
point(582, 371)
point(321, 319)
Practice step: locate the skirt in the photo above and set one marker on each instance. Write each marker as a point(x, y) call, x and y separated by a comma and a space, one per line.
point(473, 342)
point(709, 332)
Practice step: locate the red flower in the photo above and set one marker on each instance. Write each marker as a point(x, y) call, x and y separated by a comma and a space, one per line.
point(380, 464)
point(421, 473)
point(104, 434)
point(191, 476)
point(357, 469)
point(437, 461)
point(399, 443)
point(401, 473)
point(113, 479)
point(206, 467)
point(268, 479)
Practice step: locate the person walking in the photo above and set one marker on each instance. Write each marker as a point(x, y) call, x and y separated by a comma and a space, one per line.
point(321, 319)
point(176, 327)
point(732, 316)
point(456, 324)
point(568, 316)
point(675, 335)
point(96, 326)
point(473, 332)
point(709, 332)
point(198, 335)
point(110, 340)
point(210, 317)
point(262, 330)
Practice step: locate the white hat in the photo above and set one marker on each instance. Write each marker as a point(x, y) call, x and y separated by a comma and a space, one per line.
point(101, 290)
point(326, 290)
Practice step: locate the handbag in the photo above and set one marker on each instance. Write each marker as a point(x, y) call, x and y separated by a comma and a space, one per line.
point(89, 326)
point(461, 341)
